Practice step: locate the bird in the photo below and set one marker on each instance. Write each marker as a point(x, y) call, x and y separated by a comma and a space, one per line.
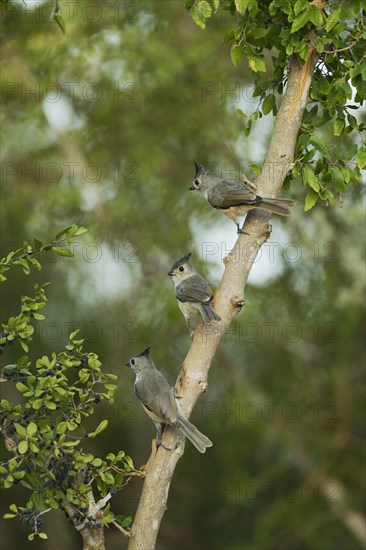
point(235, 198)
point(159, 401)
point(193, 293)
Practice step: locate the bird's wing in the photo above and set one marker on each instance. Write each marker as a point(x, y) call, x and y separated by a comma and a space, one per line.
point(231, 193)
point(194, 289)
point(154, 392)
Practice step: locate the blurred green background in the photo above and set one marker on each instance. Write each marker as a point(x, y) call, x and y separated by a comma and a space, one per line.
point(100, 128)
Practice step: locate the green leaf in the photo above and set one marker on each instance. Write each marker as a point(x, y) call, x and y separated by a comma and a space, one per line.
point(60, 22)
point(346, 172)
point(61, 428)
point(18, 475)
point(86, 458)
point(71, 425)
point(322, 86)
point(97, 462)
point(12, 465)
point(315, 15)
point(32, 429)
point(94, 363)
point(310, 178)
point(39, 316)
point(300, 21)
point(333, 19)
point(21, 387)
point(237, 52)
point(71, 443)
point(269, 104)
point(33, 447)
point(319, 46)
point(242, 5)
point(43, 535)
point(310, 200)
point(338, 179)
point(9, 516)
point(200, 12)
point(20, 430)
point(257, 64)
point(125, 521)
point(31, 536)
point(338, 126)
point(303, 141)
point(327, 195)
point(73, 334)
point(61, 251)
point(62, 232)
point(108, 478)
point(361, 158)
point(39, 500)
point(37, 244)
point(229, 35)
point(205, 8)
point(37, 404)
point(13, 508)
point(80, 231)
point(102, 426)
point(23, 447)
point(319, 144)
point(300, 5)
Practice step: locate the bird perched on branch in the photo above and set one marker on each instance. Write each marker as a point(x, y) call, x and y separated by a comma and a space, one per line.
point(159, 401)
point(234, 198)
point(193, 293)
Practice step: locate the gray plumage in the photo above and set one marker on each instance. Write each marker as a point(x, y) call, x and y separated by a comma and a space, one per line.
point(159, 401)
point(234, 198)
point(193, 293)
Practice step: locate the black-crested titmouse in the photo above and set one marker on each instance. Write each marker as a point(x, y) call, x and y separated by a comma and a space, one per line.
point(235, 198)
point(159, 401)
point(192, 292)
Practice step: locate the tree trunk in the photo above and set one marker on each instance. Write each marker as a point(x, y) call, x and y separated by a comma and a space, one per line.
point(93, 539)
point(229, 299)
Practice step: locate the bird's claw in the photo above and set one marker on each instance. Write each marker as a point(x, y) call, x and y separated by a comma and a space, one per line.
point(159, 442)
point(241, 232)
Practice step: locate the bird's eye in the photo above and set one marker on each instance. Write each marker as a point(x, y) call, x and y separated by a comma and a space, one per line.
point(196, 183)
point(132, 361)
point(181, 268)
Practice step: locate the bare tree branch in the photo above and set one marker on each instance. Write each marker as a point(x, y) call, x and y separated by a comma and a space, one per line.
point(229, 300)
point(120, 528)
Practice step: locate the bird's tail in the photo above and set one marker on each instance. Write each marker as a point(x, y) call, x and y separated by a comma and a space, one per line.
point(278, 206)
point(208, 314)
point(200, 441)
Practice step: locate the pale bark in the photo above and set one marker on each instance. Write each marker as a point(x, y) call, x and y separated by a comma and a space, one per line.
point(229, 300)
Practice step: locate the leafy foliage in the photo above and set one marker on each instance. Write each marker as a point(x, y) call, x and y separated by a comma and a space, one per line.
point(44, 428)
point(281, 28)
point(144, 149)
point(24, 256)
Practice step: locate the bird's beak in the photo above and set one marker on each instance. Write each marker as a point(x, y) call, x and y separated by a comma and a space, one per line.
point(128, 364)
point(171, 273)
point(192, 188)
